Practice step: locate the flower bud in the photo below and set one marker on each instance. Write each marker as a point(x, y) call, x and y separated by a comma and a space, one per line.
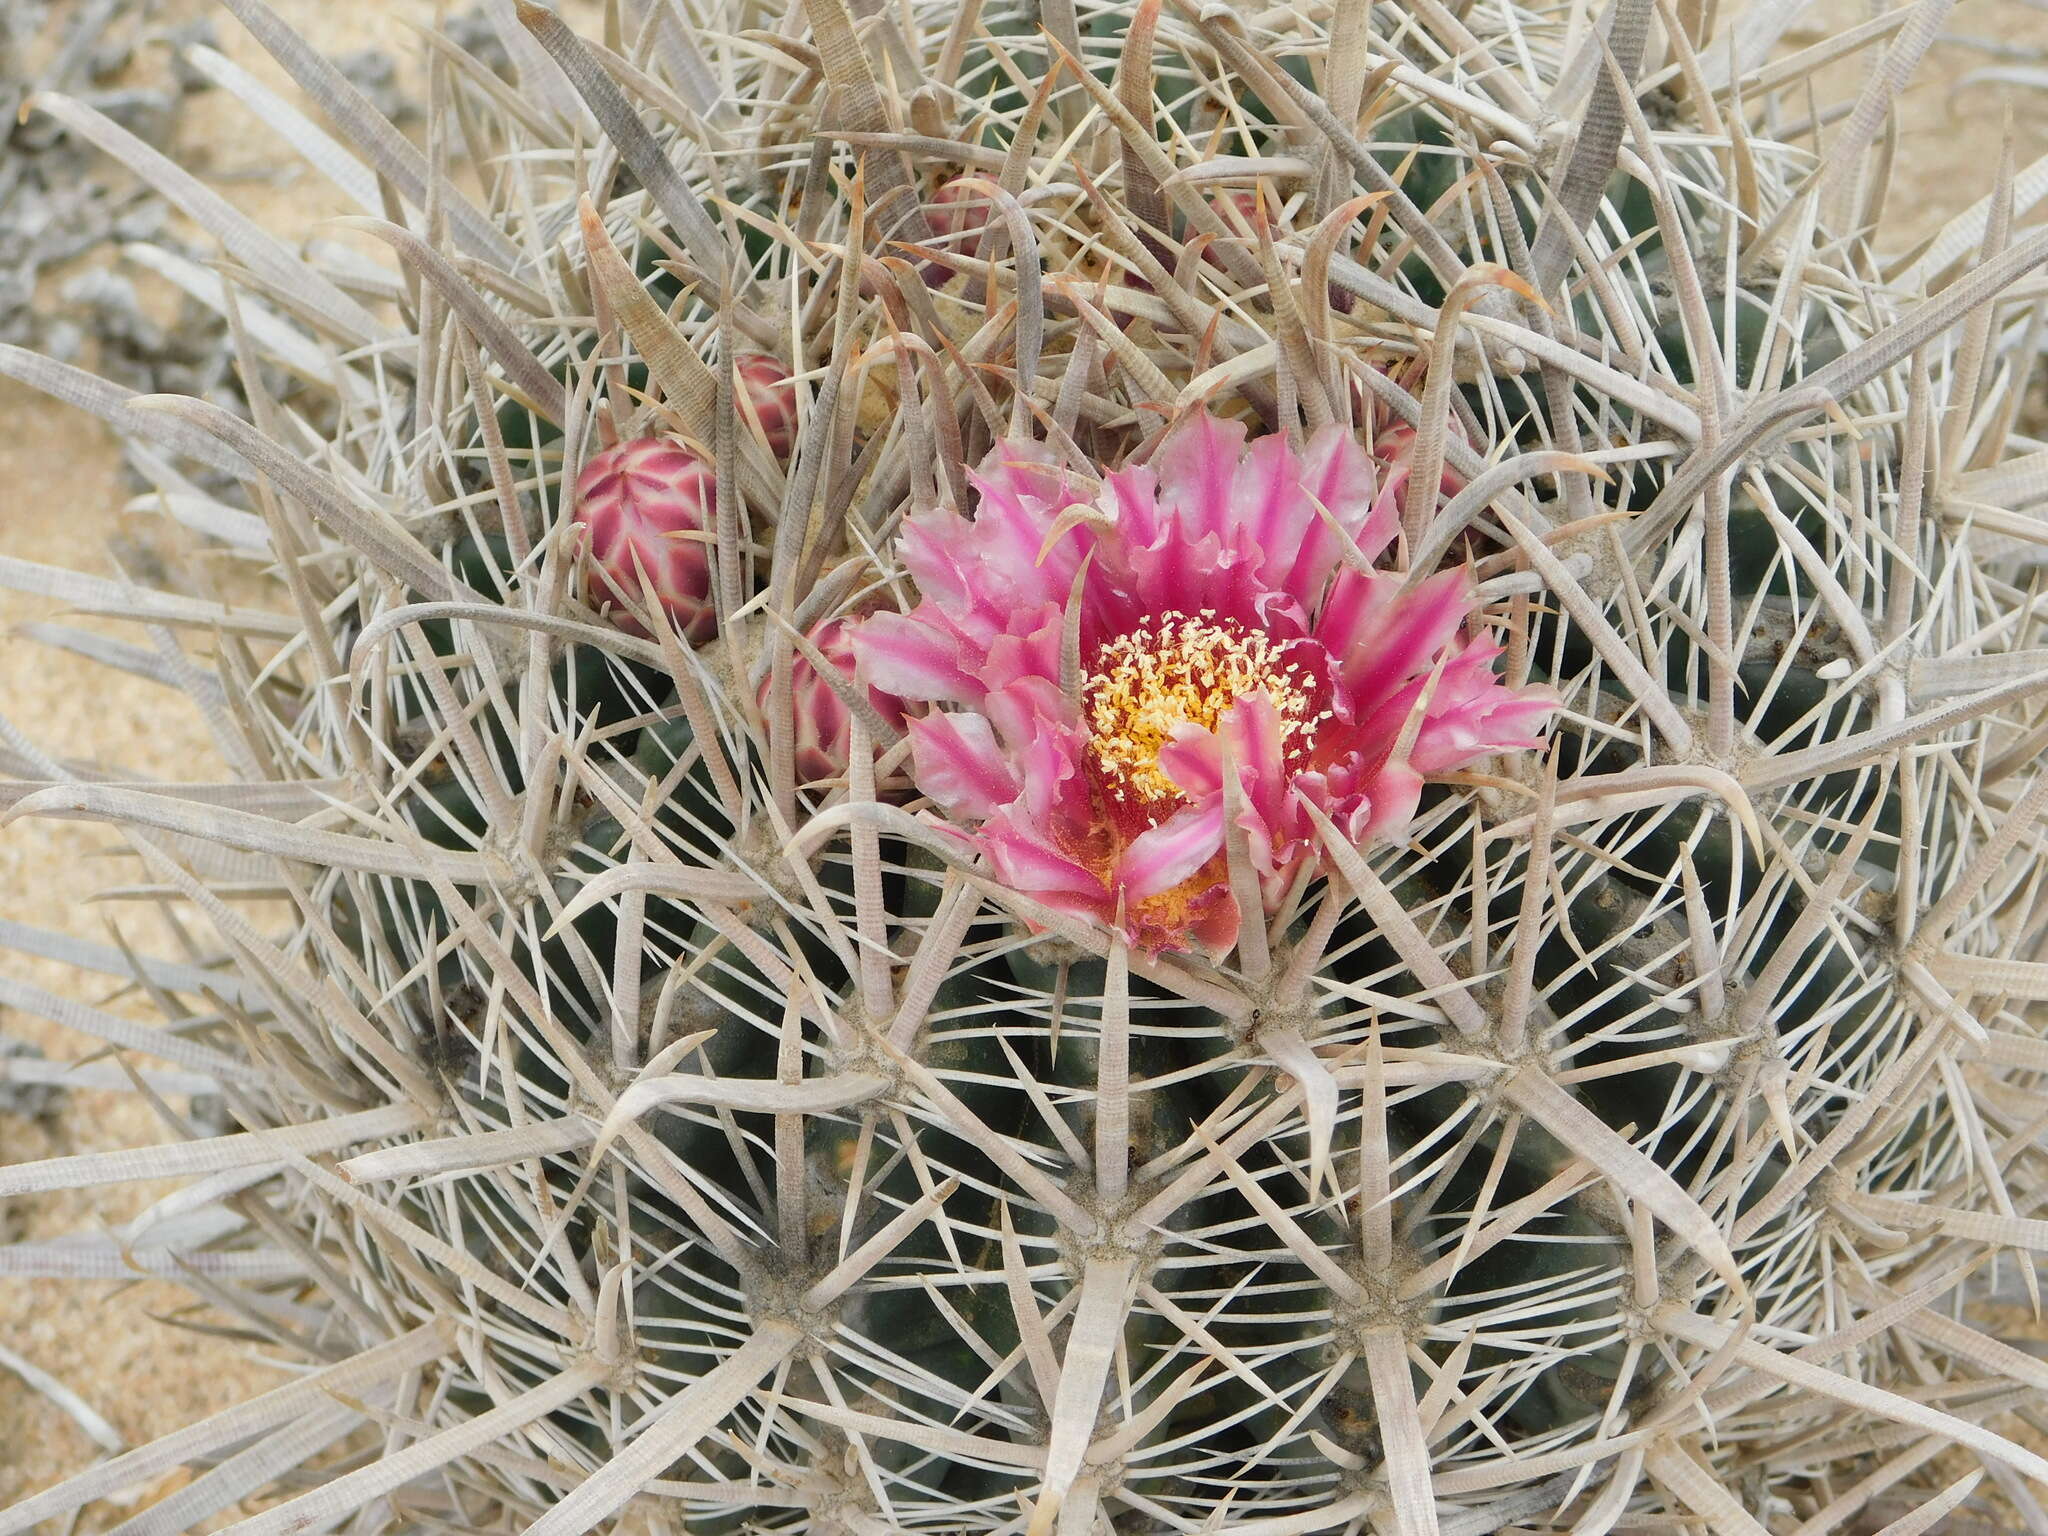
point(961, 208)
point(1393, 444)
point(823, 723)
point(643, 504)
point(772, 396)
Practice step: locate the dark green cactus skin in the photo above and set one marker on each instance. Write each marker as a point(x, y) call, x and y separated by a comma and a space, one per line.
point(522, 431)
point(587, 686)
point(444, 806)
point(689, 814)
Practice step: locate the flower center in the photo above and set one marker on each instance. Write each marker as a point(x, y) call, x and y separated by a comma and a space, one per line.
point(1182, 669)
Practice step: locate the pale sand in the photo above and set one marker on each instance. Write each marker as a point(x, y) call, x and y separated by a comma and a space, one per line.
point(60, 498)
point(60, 495)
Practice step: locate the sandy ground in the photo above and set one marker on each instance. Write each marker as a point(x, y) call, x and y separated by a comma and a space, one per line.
point(60, 499)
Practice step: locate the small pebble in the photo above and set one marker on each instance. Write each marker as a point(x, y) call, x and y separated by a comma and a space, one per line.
point(32, 1101)
point(373, 72)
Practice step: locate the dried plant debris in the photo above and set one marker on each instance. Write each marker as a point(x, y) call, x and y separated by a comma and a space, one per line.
point(57, 200)
point(1147, 767)
point(75, 228)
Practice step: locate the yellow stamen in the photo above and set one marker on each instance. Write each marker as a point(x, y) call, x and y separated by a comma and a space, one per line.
point(1181, 669)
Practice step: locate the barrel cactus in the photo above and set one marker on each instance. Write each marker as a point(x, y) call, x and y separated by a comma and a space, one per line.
point(1107, 766)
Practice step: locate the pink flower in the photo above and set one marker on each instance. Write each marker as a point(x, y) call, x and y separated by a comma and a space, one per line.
point(823, 723)
point(643, 503)
point(1221, 629)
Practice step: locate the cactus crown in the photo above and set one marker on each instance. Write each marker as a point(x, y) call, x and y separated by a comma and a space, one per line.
point(708, 1063)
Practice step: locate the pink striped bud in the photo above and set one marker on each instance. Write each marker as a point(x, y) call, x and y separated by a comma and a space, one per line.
point(824, 725)
point(1393, 444)
point(772, 396)
point(641, 504)
point(961, 208)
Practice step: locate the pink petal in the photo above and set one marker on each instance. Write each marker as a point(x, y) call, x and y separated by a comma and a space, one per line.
point(957, 762)
point(1032, 653)
point(1391, 806)
point(1259, 504)
point(1269, 508)
point(1216, 924)
point(1188, 573)
point(1020, 710)
point(1173, 851)
point(1472, 713)
point(982, 574)
point(1251, 729)
point(1016, 473)
point(938, 549)
point(1337, 473)
point(1197, 468)
point(1031, 864)
point(1352, 609)
point(899, 655)
point(1193, 760)
point(1133, 496)
point(1513, 725)
point(1019, 569)
point(1421, 623)
point(1382, 636)
point(1023, 489)
point(1329, 792)
point(1052, 779)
